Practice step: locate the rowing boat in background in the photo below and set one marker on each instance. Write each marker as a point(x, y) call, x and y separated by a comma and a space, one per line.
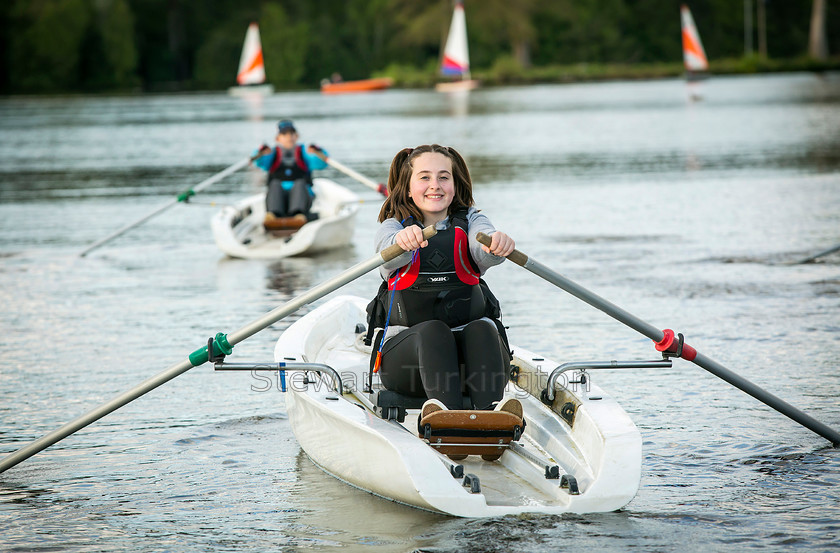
point(240, 230)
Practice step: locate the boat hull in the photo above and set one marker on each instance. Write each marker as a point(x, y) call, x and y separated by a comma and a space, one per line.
point(457, 86)
point(601, 450)
point(251, 90)
point(238, 230)
point(350, 87)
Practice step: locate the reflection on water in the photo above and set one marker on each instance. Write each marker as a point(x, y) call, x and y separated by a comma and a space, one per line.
point(290, 275)
point(459, 102)
point(255, 106)
point(686, 214)
point(343, 515)
point(694, 91)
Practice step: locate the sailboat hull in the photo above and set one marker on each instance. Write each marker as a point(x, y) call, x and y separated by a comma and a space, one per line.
point(251, 90)
point(457, 86)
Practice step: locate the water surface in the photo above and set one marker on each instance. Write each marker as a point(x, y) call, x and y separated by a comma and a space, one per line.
point(686, 212)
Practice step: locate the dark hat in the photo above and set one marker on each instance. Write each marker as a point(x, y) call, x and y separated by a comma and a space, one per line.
point(286, 125)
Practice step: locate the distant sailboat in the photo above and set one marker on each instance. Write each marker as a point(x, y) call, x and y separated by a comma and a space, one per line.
point(251, 74)
point(456, 55)
point(694, 57)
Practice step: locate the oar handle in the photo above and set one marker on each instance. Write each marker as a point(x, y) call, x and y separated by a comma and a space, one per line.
point(516, 256)
point(394, 250)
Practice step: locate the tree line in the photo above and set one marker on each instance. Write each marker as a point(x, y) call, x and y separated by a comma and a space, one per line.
point(57, 46)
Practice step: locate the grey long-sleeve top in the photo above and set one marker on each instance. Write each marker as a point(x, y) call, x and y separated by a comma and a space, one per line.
point(476, 222)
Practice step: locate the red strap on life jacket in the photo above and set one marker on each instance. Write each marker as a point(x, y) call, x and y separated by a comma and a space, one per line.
point(463, 268)
point(406, 275)
point(278, 158)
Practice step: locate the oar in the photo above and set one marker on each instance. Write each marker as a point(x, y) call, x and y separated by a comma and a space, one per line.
point(668, 343)
point(379, 187)
point(818, 255)
point(182, 197)
point(222, 344)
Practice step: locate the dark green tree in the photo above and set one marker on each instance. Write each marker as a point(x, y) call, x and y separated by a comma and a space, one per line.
point(91, 45)
point(285, 44)
point(46, 47)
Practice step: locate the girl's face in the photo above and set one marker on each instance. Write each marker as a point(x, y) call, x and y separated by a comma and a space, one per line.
point(432, 187)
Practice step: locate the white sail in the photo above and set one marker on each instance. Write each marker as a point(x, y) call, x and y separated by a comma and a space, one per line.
point(694, 56)
point(456, 55)
point(251, 66)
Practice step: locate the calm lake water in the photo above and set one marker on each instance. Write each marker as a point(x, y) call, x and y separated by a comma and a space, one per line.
point(686, 207)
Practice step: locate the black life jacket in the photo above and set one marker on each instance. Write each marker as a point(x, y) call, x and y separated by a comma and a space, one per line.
point(285, 171)
point(442, 282)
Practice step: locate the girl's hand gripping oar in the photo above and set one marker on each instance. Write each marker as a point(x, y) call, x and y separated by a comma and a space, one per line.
point(379, 187)
point(670, 344)
point(222, 345)
point(182, 197)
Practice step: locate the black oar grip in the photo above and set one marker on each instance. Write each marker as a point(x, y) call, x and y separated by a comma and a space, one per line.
point(394, 250)
point(516, 256)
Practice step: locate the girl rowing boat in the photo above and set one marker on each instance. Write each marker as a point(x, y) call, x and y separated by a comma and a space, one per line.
point(434, 313)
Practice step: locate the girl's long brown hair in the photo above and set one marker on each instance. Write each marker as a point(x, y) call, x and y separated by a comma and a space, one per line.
point(399, 204)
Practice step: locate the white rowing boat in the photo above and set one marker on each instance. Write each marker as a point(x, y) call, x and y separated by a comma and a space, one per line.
point(239, 231)
point(580, 454)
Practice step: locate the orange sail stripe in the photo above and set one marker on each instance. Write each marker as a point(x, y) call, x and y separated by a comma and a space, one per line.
point(691, 45)
point(256, 62)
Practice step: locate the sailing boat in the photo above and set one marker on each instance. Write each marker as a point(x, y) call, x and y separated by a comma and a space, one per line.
point(251, 74)
point(694, 57)
point(456, 55)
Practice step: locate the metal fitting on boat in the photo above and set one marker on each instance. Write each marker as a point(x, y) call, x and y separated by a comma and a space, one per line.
point(547, 395)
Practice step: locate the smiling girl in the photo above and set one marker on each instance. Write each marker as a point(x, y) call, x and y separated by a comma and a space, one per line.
point(434, 312)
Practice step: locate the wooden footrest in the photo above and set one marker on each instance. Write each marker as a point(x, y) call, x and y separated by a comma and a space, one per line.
point(283, 223)
point(463, 432)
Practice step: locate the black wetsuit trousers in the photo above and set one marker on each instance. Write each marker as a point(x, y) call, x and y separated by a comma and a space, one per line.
point(424, 361)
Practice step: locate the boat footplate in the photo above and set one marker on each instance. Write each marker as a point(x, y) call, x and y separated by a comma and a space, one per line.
point(569, 482)
point(471, 482)
point(467, 432)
